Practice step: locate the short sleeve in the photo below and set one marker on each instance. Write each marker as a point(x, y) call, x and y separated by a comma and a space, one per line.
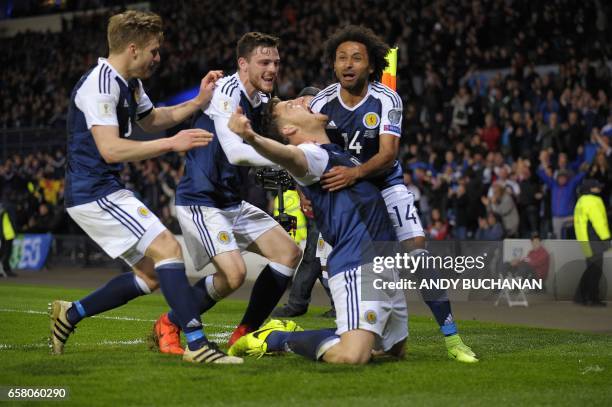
point(99, 108)
point(391, 113)
point(222, 104)
point(317, 159)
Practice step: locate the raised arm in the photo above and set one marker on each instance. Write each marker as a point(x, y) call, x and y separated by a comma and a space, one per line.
point(236, 151)
point(546, 176)
point(162, 118)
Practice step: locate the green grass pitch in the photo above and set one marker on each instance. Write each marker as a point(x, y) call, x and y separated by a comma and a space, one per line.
point(107, 362)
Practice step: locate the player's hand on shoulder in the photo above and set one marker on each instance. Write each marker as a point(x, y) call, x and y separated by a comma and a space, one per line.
point(207, 87)
point(339, 177)
point(239, 124)
point(187, 139)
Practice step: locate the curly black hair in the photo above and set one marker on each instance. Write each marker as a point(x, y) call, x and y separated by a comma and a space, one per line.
point(377, 48)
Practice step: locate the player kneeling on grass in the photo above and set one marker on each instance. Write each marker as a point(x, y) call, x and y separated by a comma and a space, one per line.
point(352, 220)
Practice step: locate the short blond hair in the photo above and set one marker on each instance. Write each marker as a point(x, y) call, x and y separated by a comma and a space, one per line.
point(134, 26)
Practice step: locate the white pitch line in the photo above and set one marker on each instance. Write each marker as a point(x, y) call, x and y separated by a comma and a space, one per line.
point(8, 346)
point(28, 311)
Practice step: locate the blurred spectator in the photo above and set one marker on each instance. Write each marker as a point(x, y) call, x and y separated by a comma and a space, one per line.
point(600, 170)
point(528, 200)
point(438, 227)
point(459, 203)
point(44, 220)
point(490, 133)
point(535, 265)
point(502, 205)
point(563, 195)
point(489, 228)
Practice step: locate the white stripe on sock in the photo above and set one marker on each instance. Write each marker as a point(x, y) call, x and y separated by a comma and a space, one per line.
point(282, 269)
point(325, 346)
point(168, 261)
point(210, 288)
point(142, 284)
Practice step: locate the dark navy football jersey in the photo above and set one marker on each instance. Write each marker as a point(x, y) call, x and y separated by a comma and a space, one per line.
point(210, 179)
point(100, 98)
point(357, 129)
point(351, 220)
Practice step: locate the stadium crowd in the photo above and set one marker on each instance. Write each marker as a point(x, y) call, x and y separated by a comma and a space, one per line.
point(488, 154)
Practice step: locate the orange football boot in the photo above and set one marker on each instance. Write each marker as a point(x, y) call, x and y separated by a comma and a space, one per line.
point(167, 336)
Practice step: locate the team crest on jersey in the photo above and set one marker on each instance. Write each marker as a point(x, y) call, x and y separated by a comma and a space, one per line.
point(371, 120)
point(224, 237)
point(395, 116)
point(143, 212)
point(371, 317)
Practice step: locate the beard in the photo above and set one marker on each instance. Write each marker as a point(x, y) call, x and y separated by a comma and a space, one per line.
point(355, 87)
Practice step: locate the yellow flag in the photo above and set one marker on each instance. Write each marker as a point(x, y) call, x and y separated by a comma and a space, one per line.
point(389, 77)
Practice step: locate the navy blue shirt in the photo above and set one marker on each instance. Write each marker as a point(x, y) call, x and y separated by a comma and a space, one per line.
point(352, 219)
point(357, 129)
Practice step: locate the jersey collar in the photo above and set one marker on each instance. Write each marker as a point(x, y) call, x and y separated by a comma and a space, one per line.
point(256, 100)
point(361, 102)
point(105, 62)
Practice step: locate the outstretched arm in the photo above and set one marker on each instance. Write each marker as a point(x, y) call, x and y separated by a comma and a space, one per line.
point(289, 157)
point(162, 118)
point(115, 149)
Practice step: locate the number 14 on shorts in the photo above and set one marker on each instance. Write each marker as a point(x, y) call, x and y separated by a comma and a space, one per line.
point(410, 215)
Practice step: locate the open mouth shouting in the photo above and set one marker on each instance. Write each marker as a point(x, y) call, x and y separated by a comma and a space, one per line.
point(268, 81)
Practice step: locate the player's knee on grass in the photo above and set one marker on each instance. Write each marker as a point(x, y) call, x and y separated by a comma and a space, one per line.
point(355, 348)
point(398, 350)
point(348, 356)
point(165, 246)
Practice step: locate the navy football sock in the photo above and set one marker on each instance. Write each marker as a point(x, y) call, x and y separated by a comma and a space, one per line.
point(444, 316)
point(113, 294)
point(310, 343)
point(267, 291)
point(436, 299)
point(276, 341)
point(203, 297)
point(180, 297)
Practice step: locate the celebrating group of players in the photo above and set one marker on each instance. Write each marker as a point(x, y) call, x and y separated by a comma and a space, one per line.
point(341, 148)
